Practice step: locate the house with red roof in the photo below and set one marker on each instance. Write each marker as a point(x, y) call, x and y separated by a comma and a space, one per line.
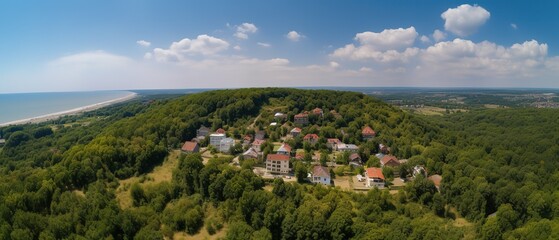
point(389, 161)
point(332, 143)
point(311, 138)
point(355, 160)
point(321, 175)
point(257, 143)
point(368, 133)
point(301, 119)
point(436, 180)
point(284, 149)
point(318, 111)
point(190, 147)
point(374, 177)
point(295, 132)
point(277, 163)
point(220, 131)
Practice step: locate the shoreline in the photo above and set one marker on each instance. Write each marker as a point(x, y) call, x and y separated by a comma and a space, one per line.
point(56, 115)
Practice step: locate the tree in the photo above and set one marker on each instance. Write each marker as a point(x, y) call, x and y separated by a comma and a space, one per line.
point(301, 172)
point(340, 223)
point(137, 194)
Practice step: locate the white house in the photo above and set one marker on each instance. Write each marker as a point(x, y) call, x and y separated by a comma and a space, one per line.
point(375, 178)
point(215, 139)
point(277, 163)
point(320, 175)
point(226, 144)
point(342, 147)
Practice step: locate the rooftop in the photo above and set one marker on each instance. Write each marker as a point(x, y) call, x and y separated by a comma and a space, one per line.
point(375, 173)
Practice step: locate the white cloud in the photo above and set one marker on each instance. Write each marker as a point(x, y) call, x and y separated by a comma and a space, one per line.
point(201, 45)
point(143, 43)
point(387, 46)
point(513, 26)
point(266, 45)
point(464, 19)
point(334, 64)
point(294, 36)
point(244, 29)
point(424, 39)
point(438, 35)
point(237, 47)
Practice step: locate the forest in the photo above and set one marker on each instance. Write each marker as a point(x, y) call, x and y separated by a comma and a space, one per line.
point(59, 179)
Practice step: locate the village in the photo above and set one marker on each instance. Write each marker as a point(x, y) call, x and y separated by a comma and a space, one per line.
point(339, 165)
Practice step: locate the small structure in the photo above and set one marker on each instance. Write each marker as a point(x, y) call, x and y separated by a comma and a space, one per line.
point(355, 160)
point(383, 149)
point(318, 111)
point(419, 170)
point(389, 161)
point(250, 154)
point(203, 131)
point(436, 180)
point(360, 178)
point(226, 144)
point(247, 139)
point(190, 147)
point(342, 147)
point(2, 142)
point(260, 135)
point(215, 139)
point(295, 132)
point(311, 138)
point(277, 163)
point(284, 149)
point(368, 133)
point(321, 175)
point(257, 143)
point(375, 178)
point(301, 119)
point(280, 116)
point(273, 124)
point(332, 143)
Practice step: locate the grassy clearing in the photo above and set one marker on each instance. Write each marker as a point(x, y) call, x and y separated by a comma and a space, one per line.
point(162, 173)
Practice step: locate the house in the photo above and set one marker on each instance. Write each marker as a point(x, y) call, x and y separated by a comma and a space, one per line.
point(220, 131)
point(355, 160)
point(332, 143)
point(190, 147)
point(273, 124)
point(311, 138)
point(321, 175)
point(247, 139)
point(226, 144)
point(383, 149)
point(300, 154)
point(389, 161)
point(318, 111)
point(419, 170)
point(285, 149)
point(368, 133)
point(374, 177)
point(261, 135)
point(301, 119)
point(342, 147)
point(257, 143)
point(436, 180)
point(277, 163)
point(295, 132)
point(250, 154)
point(215, 139)
point(203, 131)
point(280, 116)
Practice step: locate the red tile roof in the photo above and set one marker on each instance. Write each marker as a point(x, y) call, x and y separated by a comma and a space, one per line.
point(375, 173)
point(258, 141)
point(296, 130)
point(285, 147)
point(333, 140)
point(320, 171)
point(301, 115)
point(189, 146)
point(277, 157)
point(354, 156)
point(317, 111)
point(368, 131)
point(310, 136)
point(389, 158)
point(220, 130)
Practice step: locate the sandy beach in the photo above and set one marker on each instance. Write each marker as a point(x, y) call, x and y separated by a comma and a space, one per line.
point(74, 111)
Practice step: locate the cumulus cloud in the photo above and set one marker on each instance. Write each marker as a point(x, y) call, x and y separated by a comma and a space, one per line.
point(266, 45)
point(438, 35)
point(424, 39)
point(244, 30)
point(334, 64)
point(386, 46)
point(294, 36)
point(201, 45)
point(237, 47)
point(143, 43)
point(464, 19)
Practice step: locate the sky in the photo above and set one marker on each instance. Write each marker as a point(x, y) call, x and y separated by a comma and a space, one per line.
point(68, 45)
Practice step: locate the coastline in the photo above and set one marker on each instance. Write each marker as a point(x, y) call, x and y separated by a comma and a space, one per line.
point(56, 115)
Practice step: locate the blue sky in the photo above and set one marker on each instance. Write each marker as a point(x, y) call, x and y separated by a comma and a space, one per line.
point(97, 45)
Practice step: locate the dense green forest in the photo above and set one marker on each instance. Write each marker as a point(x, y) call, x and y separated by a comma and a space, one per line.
point(59, 179)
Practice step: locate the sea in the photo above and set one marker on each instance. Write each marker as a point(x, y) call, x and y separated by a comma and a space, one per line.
point(20, 106)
